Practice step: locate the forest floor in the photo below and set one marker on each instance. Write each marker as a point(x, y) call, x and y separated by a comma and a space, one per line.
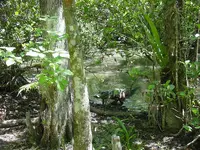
point(13, 107)
point(145, 137)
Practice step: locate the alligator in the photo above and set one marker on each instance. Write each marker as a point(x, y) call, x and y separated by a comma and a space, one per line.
point(118, 95)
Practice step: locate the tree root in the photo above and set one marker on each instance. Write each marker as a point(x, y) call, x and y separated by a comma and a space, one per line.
point(178, 133)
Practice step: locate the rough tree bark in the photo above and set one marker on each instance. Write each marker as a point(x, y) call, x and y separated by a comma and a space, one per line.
point(56, 111)
point(81, 110)
point(174, 71)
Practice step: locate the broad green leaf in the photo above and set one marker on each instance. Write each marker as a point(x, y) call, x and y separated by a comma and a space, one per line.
point(195, 111)
point(42, 78)
point(10, 61)
point(9, 49)
point(168, 82)
point(41, 55)
point(195, 121)
point(61, 85)
point(182, 93)
point(32, 53)
point(187, 128)
point(171, 87)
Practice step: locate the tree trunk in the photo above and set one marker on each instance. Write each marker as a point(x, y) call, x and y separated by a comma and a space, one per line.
point(56, 111)
point(174, 71)
point(81, 109)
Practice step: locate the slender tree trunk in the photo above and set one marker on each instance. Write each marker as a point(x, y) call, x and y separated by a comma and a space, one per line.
point(81, 109)
point(174, 71)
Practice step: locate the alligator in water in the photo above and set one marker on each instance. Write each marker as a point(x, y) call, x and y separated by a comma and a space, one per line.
point(118, 95)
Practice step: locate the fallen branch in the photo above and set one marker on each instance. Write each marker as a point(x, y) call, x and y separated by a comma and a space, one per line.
point(108, 112)
point(117, 113)
point(16, 122)
point(192, 142)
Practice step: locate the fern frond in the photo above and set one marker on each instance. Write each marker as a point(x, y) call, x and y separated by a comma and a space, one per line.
point(28, 87)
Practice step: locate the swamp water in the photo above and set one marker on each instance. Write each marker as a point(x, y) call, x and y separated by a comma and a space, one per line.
point(111, 74)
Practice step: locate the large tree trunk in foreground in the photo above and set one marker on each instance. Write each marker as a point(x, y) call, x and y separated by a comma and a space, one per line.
point(56, 111)
point(81, 110)
point(174, 71)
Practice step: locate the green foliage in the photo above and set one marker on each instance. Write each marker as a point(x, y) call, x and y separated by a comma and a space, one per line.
point(158, 48)
point(192, 71)
point(18, 21)
point(8, 57)
point(194, 123)
point(164, 92)
point(17, 27)
point(109, 24)
point(53, 72)
point(136, 73)
point(28, 87)
point(127, 135)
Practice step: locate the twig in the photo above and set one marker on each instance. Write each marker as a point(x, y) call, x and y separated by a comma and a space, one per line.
point(192, 142)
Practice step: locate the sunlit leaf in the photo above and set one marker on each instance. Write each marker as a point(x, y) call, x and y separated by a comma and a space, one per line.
point(198, 25)
point(55, 55)
point(32, 53)
point(195, 111)
point(182, 93)
point(197, 35)
point(9, 49)
point(16, 13)
point(42, 78)
point(197, 127)
point(187, 61)
point(41, 55)
point(18, 59)
point(187, 128)
point(41, 48)
point(61, 85)
point(10, 61)
point(171, 87)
